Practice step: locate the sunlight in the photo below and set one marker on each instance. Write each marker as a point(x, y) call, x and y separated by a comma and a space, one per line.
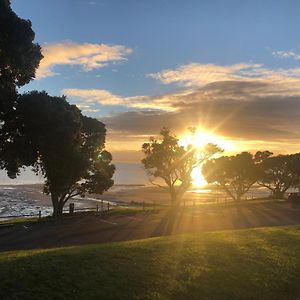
point(199, 139)
point(198, 179)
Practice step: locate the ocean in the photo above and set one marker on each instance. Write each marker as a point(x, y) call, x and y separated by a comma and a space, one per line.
point(126, 173)
point(23, 195)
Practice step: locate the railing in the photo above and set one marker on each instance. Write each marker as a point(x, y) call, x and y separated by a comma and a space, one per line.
point(39, 215)
point(103, 206)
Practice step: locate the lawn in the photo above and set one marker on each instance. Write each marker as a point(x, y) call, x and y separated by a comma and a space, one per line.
point(243, 264)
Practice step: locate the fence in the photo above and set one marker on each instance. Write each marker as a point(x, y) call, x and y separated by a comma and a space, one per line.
point(39, 215)
point(100, 207)
point(104, 206)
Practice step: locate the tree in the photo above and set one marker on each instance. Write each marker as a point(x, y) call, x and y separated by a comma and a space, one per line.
point(277, 173)
point(234, 174)
point(19, 58)
point(166, 160)
point(62, 144)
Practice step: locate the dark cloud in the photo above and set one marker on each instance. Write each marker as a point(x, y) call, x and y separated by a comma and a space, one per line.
point(237, 109)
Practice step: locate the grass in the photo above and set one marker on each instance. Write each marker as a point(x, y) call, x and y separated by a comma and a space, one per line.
point(244, 264)
point(112, 212)
point(24, 220)
point(134, 210)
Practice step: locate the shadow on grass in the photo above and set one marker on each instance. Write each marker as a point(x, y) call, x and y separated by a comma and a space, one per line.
point(244, 264)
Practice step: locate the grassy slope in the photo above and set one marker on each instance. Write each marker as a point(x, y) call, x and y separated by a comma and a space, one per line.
point(245, 264)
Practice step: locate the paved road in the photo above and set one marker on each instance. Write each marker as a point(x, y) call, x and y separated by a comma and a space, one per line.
point(101, 229)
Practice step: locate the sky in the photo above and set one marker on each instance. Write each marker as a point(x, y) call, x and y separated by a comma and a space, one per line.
point(230, 68)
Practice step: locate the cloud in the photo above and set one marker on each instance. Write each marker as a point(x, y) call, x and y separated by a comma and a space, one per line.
point(198, 75)
point(235, 109)
point(286, 54)
point(254, 81)
point(88, 56)
point(256, 107)
point(201, 74)
point(104, 97)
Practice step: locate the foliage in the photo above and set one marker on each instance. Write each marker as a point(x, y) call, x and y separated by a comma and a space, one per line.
point(19, 58)
point(277, 173)
point(255, 264)
point(173, 164)
point(235, 174)
point(62, 144)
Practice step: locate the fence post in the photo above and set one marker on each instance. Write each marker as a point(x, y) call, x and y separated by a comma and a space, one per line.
point(101, 205)
point(97, 208)
point(40, 214)
point(107, 206)
point(71, 208)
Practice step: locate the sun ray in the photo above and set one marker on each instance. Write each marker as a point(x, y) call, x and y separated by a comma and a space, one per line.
point(197, 177)
point(199, 138)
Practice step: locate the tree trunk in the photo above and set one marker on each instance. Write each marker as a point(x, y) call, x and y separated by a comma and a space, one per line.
point(277, 194)
point(173, 195)
point(237, 199)
point(57, 206)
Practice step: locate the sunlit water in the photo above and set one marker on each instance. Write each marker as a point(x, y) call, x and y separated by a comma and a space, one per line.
point(19, 196)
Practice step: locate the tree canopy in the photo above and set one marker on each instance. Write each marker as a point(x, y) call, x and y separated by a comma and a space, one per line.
point(277, 173)
point(234, 174)
point(19, 59)
point(166, 160)
point(62, 144)
point(19, 56)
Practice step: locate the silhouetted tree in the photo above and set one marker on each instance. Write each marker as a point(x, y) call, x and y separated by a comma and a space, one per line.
point(166, 160)
point(234, 174)
point(19, 58)
point(277, 173)
point(62, 144)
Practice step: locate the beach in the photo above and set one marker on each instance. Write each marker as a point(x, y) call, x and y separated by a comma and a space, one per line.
point(27, 199)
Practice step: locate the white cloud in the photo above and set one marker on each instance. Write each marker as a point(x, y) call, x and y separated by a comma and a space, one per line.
point(239, 82)
point(286, 54)
point(198, 75)
point(94, 96)
point(105, 97)
point(88, 56)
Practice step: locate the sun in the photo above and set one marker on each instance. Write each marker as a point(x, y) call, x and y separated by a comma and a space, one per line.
point(199, 139)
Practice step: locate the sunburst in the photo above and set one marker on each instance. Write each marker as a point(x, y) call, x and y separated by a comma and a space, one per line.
point(199, 138)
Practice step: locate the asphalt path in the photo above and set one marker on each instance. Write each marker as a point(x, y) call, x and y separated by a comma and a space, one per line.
point(78, 230)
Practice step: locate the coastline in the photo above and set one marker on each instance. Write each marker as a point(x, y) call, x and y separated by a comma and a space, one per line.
point(20, 199)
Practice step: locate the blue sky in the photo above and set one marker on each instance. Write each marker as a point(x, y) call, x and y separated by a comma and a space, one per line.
point(188, 46)
point(163, 34)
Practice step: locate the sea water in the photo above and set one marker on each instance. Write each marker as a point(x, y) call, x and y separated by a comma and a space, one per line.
point(126, 173)
point(23, 195)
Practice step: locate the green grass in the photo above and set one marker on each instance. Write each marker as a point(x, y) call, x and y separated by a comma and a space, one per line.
point(244, 264)
point(119, 211)
point(20, 220)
